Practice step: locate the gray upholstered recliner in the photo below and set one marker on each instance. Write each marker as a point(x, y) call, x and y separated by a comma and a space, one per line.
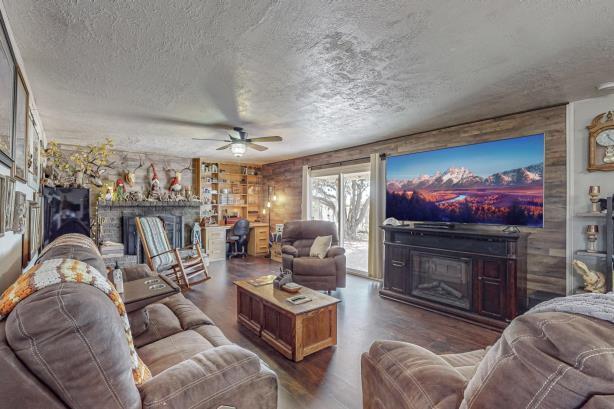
point(319, 274)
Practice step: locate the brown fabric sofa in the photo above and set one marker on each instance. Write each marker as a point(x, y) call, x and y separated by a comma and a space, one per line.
point(319, 274)
point(542, 360)
point(64, 347)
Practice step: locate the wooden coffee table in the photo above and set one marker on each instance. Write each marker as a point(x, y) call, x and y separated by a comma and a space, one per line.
point(294, 330)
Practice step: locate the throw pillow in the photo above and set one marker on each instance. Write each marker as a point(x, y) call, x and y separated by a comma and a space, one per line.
point(320, 246)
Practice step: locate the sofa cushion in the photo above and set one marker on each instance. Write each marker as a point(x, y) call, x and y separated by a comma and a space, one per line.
point(139, 321)
point(314, 266)
point(320, 246)
point(162, 323)
point(188, 314)
point(466, 363)
point(172, 350)
point(228, 376)
point(71, 337)
point(212, 334)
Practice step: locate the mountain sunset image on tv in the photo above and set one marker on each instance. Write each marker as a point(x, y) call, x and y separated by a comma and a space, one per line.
point(498, 182)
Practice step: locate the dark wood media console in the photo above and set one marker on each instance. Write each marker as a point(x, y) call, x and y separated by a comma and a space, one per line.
point(479, 276)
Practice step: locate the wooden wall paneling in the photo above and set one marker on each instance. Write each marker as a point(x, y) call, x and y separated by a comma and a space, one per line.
point(546, 255)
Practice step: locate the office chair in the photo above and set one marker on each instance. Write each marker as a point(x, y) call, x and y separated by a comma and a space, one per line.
point(237, 239)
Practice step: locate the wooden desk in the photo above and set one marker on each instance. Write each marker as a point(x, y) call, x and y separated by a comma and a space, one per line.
point(295, 331)
point(214, 240)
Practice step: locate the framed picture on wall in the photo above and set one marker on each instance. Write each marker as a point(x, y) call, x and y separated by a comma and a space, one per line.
point(25, 238)
point(7, 203)
point(3, 199)
point(19, 214)
point(22, 144)
point(35, 154)
point(34, 228)
point(7, 96)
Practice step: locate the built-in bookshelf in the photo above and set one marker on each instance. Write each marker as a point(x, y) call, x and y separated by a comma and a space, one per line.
point(229, 191)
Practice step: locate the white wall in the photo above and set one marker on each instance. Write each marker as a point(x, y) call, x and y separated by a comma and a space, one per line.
point(10, 243)
point(580, 114)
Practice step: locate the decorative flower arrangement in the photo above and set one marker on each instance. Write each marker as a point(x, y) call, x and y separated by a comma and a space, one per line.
point(90, 161)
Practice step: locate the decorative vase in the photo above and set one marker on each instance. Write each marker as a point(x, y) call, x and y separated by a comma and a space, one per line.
point(593, 193)
point(592, 230)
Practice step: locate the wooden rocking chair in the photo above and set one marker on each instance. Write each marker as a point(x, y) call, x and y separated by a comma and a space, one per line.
point(168, 261)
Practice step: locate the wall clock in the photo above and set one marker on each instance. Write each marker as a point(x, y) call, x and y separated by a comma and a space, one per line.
point(601, 142)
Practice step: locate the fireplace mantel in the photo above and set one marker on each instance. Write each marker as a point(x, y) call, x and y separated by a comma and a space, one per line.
point(146, 203)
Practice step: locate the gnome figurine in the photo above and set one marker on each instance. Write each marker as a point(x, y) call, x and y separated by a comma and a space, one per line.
point(155, 183)
point(120, 190)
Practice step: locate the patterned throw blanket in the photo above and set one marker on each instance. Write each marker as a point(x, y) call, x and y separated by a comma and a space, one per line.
point(600, 306)
point(72, 271)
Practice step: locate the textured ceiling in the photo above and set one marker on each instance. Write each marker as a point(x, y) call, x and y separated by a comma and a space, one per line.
point(323, 74)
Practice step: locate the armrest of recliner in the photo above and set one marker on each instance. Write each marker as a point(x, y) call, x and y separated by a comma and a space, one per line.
point(227, 375)
point(335, 251)
point(404, 376)
point(290, 250)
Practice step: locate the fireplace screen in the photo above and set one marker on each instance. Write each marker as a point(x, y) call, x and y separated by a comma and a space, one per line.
point(446, 280)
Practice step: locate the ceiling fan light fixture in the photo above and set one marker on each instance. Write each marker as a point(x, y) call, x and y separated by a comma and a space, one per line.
point(238, 149)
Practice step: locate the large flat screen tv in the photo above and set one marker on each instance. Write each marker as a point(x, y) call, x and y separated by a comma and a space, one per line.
point(67, 210)
point(498, 182)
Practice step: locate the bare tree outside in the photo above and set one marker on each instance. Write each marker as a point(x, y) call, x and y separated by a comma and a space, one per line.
point(356, 190)
point(325, 198)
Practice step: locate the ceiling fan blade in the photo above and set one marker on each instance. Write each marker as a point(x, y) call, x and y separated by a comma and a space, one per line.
point(221, 148)
point(256, 147)
point(207, 139)
point(266, 139)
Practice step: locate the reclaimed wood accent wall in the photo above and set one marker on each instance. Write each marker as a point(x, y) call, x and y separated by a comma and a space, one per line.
point(546, 259)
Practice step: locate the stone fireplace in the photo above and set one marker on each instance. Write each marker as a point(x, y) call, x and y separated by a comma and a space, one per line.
point(118, 223)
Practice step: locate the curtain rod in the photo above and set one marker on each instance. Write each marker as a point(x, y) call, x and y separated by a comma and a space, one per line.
point(341, 163)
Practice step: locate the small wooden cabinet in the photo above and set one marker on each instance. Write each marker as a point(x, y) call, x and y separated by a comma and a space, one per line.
point(477, 275)
point(258, 244)
point(215, 242)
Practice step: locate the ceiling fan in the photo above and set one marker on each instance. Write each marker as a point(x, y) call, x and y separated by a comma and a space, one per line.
point(239, 145)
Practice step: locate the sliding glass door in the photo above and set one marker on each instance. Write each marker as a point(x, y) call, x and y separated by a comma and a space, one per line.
point(325, 198)
point(341, 195)
point(355, 224)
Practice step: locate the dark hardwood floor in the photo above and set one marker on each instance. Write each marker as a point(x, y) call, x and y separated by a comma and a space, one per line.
point(331, 378)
